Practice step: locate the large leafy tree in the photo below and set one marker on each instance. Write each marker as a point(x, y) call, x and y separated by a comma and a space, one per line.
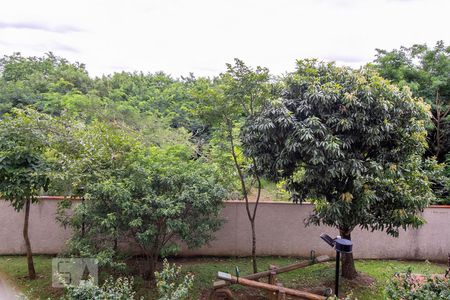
point(24, 164)
point(351, 143)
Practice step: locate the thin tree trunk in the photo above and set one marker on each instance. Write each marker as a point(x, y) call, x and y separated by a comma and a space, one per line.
point(348, 264)
point(252, 221)
point(255, 267)
point(251, 217)
point(438, 127)
point(31, 270)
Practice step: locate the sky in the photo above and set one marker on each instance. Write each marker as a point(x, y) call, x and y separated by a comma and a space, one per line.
point(201, 36)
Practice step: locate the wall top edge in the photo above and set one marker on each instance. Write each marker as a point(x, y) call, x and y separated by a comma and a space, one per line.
point(232, 201)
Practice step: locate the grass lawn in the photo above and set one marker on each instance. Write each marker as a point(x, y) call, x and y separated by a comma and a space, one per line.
point(205, 269)
point(15, 269)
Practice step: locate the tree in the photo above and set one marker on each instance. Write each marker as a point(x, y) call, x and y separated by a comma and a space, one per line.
point(24, 166)
point(147, 196)
point(351, 143)
point(238, 94)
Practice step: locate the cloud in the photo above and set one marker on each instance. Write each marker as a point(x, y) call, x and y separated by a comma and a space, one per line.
point(30, 25)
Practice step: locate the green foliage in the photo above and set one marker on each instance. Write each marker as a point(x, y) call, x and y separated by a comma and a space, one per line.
point(406, 286)
point(119, 289)
point(355, 139)
point(246, 90)
point(424, 70)
point(157, 93)
point(236, 94)
point(219, 157)
point(439, 177)
point(39, 81)
point(156, 105)
point(171, 285)
point(24, 163)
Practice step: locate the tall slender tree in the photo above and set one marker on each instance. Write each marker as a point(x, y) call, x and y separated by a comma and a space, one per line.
point(24, 167)
point(239, 93)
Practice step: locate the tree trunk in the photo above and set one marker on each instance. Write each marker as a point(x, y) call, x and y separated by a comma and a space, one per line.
point(251, 217)
point(255, 268)
point(348, 264)
point(31, 270)
point(152, 261)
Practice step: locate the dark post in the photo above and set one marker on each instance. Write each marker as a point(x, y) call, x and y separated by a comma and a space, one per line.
point(336, 281)
point(340, 245)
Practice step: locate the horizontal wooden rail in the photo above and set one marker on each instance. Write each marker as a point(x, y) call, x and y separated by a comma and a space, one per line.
point(269, 287)
point(255, 276)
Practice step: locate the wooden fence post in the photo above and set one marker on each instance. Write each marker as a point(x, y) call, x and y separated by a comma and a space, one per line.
point(272, 280)
point(281, 292)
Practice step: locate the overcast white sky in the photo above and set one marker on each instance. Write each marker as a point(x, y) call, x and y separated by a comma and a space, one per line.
point(200, 36)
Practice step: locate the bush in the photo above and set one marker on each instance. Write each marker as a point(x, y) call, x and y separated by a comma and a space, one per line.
point(408, 287)
point(170, 284)
point(119, 289)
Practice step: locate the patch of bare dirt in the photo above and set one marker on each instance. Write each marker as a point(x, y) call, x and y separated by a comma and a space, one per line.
point(243, 293)
point(362, 280)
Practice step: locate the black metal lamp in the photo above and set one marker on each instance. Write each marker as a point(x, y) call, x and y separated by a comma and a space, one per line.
point(343, 245)
point(340, 245)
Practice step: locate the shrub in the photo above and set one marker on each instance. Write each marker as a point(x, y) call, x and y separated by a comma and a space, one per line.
point(408, 287)
point(119, 289)
point(171, 285)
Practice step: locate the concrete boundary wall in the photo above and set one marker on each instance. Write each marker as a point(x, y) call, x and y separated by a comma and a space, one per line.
point(280, 230)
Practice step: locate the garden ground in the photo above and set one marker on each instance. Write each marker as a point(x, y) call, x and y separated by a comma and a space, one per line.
point(369, 286)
